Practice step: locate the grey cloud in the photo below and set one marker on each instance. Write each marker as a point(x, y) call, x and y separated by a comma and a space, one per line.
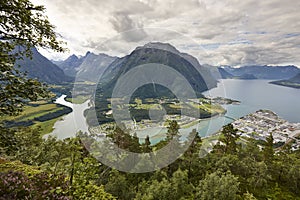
point(270, 25)
point(124, 24)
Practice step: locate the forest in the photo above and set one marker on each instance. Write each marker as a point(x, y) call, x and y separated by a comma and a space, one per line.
point(36, 168)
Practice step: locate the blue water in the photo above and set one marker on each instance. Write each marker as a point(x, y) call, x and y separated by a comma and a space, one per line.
point(253, 95)
point(259, 94)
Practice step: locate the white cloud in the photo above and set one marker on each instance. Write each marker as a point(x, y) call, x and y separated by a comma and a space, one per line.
point(229, 32)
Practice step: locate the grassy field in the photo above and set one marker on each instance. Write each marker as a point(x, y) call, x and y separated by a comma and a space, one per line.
point(31, 112)
point(35, 110)
point(212, 108)
point(47, 126)
point(139, 109)
point(78, 99)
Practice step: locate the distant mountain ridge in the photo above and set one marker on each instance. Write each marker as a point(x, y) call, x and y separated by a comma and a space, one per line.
point(161, 53)
point(245, 77)
point(43, 69)
point(91, 67)
point(70, 65)
point(293, 82)
point(264, 72)
point(88, 68)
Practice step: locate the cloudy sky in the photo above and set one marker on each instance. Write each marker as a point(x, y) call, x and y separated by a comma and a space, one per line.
point(227, 32)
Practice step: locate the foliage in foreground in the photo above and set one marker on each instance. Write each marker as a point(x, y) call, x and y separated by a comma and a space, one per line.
point(23, 26)
point(230, 171)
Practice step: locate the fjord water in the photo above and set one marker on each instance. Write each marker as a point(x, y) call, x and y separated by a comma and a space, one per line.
point(253, 94)
point(259, 94)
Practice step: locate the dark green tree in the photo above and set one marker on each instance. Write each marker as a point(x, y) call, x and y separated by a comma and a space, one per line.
point(218, 185)
point(294, 177)
point(268, 150)
point(119, 186)
point(175, 188)
point(17, 185)
point(252, 150)
point(228, 140)
point(122, 137)
point(191, 156)
point(147, 145)
point(173, 131)
point(23, 26)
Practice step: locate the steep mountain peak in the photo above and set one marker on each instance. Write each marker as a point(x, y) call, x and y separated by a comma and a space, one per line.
point(73, 57)
point(91, 54)
point(161, 46)
point(205, 72)
point(87, 53)
point(88, 66)
point(92, 66)
point(161, 53)
point(172, 49)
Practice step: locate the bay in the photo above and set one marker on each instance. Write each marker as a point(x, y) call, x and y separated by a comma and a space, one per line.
point(253, 95)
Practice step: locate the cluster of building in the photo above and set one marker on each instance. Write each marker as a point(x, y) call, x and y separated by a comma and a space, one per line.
point(261, 124)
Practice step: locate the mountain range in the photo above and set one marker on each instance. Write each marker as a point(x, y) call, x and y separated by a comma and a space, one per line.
point(263, 72)
point(91, 67)
point(41, 68)
point(160, 53)
point(70, 65)
point(86, 68)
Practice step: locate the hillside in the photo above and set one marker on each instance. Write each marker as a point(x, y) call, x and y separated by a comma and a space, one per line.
point(293, 82)
point(159, 53)
point(295, 79)
point(226, 72)
point(43, 69)
point(93, 67)
point(203, 69)
point(219, 72)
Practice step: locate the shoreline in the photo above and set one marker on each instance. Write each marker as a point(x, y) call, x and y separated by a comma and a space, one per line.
point(69, 125)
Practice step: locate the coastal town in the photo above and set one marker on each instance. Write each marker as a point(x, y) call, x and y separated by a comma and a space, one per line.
point(262, 123)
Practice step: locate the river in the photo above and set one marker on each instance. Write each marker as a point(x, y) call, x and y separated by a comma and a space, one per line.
point(71, 123)
point(253, 94)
